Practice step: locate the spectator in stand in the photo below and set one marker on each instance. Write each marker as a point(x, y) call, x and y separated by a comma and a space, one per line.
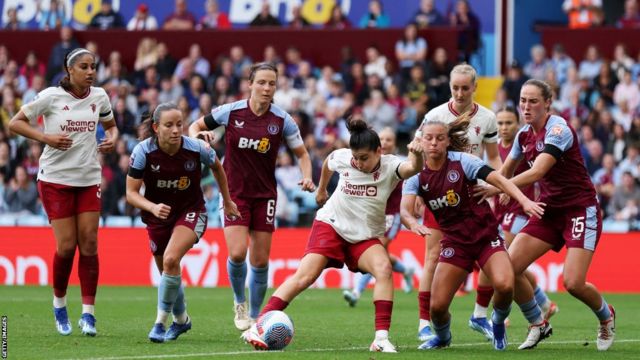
point(13, 23)
point(375, 17)
point(513, 82)
point(410, 50)
point(625, 200)
point(438, 71)
point(469, 36)
point(376, 63)
point(337, 20)
point(4, 58)
point(9, 107)
point(603, 87)
point(180, 19)
point(264, 17)
point(31, 163)
point(582, 13)
point(31, 67)
point(53, 17)
point(298, 21)
point(200, 65)
point(270, 55)
point(195, 88)
point(417, 91)
point(202, 109)
point(427, 15)
point(571, 84)
point(106, 18)
point(166, 64)
point(603, 181)
point(621, 61)
point(142, 20)
point(125, 120)
point(629, 164)
point(21, 195)
point(60, 49)
point(628, 91)
point(168, 91)
point(631, 17)
point(13, 79)
point(213, 17)
point(561, 63)
point(146, 55)
point(239, 59)
point(537, 67)
point(37, 85)
point(7, 164)
point(575, 108)
point(378, 113)
point(590, 66)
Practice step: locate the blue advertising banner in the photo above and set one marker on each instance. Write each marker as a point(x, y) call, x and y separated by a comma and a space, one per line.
point(241, 12)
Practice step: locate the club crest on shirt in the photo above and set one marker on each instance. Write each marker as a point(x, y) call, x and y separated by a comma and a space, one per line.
point(190, 165)
point(540, 145)
point(376, 175)
point(273, 129)
point(447, 252)
point(93, 108)
point(453, 176)
point(477, 128)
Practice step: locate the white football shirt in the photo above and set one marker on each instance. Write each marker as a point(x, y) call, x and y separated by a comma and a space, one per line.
point(483, 127)
point(356, 208)
point(65, 113)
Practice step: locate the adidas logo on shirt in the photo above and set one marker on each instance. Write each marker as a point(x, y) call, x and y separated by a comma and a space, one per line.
point(66, 107)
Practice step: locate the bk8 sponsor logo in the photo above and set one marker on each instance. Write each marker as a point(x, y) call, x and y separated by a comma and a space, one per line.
point(261, 146)
point(180, 184)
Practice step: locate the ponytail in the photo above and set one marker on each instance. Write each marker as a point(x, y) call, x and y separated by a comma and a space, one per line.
point(362, 135)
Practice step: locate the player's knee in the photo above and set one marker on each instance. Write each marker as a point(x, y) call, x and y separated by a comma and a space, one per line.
point(66, 249)
point(572, 285)
point(503, 287)
point(170, 262)
point(382, 270)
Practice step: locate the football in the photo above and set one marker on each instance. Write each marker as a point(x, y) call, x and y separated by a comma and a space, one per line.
point(276, 329)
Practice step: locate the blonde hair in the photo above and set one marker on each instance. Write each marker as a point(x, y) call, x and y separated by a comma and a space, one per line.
point(465, 69)
point(456, 130)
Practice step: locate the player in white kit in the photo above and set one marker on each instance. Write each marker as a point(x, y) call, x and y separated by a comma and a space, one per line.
point(69, 176)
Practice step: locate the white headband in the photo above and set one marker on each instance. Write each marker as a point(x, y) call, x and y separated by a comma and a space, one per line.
point(83, 51)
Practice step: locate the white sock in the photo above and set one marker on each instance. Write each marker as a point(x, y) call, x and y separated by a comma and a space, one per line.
point(356, 293)
point(59, 302)
point(382, 334)
point(479, 311)
point(181, 319)
point(423, 323)
point(162, 317)
point(88, 309)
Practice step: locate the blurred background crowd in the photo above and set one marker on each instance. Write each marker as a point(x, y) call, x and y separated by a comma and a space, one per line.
point(598, 93)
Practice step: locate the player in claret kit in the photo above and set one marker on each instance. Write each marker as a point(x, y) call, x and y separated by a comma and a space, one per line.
point(254, 130)
point(170, 167)
point(392, 224)
point(69, 176)
point(572, 218)
point(347, 229)
point(482, 134)
point(469, 228)
point(510, 215)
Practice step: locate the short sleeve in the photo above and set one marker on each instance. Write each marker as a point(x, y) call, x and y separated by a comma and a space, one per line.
point(516, 149)
point(40, 105)
point(560, 136)
point(336, 159)
point(138, 160)
point(291, 133)
point(219, 116)
point(471, 165)
point(207, 154)
point(410, 186)
point(491, 136)
point(105, 107)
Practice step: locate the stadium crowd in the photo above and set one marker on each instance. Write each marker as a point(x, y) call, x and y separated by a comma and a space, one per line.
point(599, 94)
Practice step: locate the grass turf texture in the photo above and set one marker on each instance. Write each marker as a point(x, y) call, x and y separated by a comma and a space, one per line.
point(325, 328)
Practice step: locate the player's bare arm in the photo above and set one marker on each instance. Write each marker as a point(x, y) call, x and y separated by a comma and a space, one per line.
point(230, 208)
point(304, 162)
point(20, 125)
point(322, 195)
point(161, 211)
point(415, 162)
point(407, 206)
point(108, 143)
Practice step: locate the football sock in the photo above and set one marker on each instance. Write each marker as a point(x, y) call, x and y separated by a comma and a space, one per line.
point(532, 312)
point(61, 272)
point(483, 298)
point(603, 313)
point(424, 302)
point(399, 267)
point(258, 281)
point(274, 303)
point(383, 314)
point(88, 271)
point(499, 315)
point(180, 307)
point(540, 296)
point(237, 277)
point(362, 283)
point(443, 332)
point(167, 294)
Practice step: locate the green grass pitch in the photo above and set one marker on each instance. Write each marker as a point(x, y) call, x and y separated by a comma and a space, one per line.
point(325, 328)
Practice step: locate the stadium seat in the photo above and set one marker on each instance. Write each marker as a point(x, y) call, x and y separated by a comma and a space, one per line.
point(118, 221)
point(31, 220)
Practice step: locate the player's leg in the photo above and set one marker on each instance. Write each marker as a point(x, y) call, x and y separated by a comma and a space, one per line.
point(432, 250)
point(500, 273)
point(393, 227)
point(375, 260)
point(446, 281)
point(576, 265)
point(236, 238)
point(88, 268)
point(259, 250)
point(478, 320)
point(524, 250)
point(64, 231)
